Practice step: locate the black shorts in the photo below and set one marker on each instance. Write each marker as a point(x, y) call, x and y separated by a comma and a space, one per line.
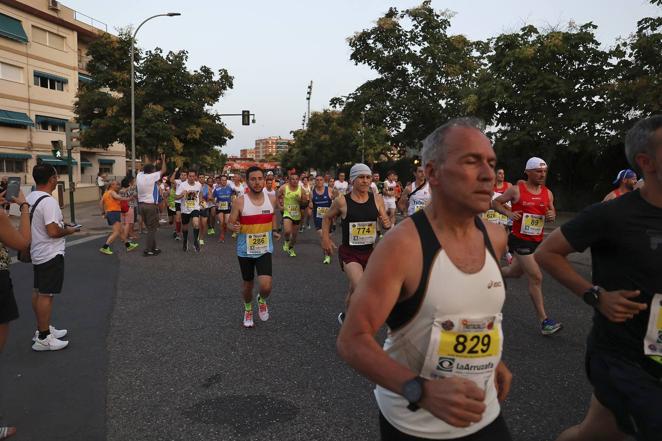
point(178, 207)
point(295, 222)
point(520, 246)
point(632, 394)
point(204, 212)
point(49, 276)
point(248, 266)
point(8, 308)
point(186, 217)
point(497, 430)
point(171, 212)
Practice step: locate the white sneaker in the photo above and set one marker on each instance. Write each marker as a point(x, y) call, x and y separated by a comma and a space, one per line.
point(50, 343)
point(248, 319)
point(57, 333)
point(262, 310)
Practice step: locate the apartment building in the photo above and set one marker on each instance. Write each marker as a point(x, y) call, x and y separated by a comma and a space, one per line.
point(43, 46)
point(247, 153)
point(268, 147)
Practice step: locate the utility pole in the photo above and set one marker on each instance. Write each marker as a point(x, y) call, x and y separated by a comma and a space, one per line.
point(308, 95)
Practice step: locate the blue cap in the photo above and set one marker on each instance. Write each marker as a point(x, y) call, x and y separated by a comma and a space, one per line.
point(624, 174)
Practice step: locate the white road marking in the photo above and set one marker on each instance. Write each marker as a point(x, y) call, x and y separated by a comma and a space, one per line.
point(71, 243)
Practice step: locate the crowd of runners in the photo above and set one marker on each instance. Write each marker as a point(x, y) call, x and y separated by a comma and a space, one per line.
point(446, 240)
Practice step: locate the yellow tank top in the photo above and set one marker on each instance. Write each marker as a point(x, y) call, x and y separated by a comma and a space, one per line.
point(291, 203)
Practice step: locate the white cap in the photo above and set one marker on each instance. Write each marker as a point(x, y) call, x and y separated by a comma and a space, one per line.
point(535, 163)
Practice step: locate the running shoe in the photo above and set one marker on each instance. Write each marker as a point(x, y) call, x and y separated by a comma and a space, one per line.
point(107, 251)
point(211, 232)
point(286, 246)
point(202, 242)
point(57, 333)
point(163, 221)
point(175, 235)
point(263, 309)
point(50, 343)
point(132, 246)
point(549, 326)
point(234, 235)
point(327, 260)
point(341, 317)
point(196, 246)
point(308, 227)
point(291, 252)
point(301, 229)
point(248, 319)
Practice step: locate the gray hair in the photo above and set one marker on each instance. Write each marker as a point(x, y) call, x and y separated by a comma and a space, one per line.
point(639, 139)
point(434, 145)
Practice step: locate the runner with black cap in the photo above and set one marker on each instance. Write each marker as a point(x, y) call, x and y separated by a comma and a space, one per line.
point(532, 206)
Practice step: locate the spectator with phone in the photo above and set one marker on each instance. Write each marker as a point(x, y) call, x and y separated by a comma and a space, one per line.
point(47, 252)
point(18, 240)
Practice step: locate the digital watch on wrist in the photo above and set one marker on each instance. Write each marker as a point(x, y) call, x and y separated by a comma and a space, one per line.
point(412, 390)
point(592, 296)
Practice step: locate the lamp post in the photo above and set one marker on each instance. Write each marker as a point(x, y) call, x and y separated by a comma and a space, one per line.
point(133, 85)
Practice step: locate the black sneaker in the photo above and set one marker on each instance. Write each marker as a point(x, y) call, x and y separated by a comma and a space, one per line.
point(149, 253)
point(174, 235)
point(196, 245)
point(185, 246)
point(156, 251)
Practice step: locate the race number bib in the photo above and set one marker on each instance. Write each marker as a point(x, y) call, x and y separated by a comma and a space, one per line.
point(419, 205)
point(203, 204)
point(653, 338)
point(257, 244)
point(321, 212)
point(292, 210)
point(492, 216)
point(464, 347)
point(532, 224)
point(362, 233)
point(223, 205)
point(190, 204)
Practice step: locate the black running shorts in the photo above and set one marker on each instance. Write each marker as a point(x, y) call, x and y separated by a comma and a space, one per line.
point(249, 265)
point(8, 308)
point(186, 217)
point(631, 393)
point(520, 246)
point(49, 276)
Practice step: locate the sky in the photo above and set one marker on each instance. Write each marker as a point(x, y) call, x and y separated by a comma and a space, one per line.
point(275, 48)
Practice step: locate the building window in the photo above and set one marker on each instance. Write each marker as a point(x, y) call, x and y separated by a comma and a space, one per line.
point(12, 165)
point(47, 38)
point(11, 73)
point(48, 83)
point(45, 125)
point(106, 168)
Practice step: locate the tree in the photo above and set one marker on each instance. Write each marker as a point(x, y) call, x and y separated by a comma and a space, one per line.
point(333, 138)
point(425, 76)
point(173, 105)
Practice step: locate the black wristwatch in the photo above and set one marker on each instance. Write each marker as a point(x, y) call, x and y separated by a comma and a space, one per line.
point(592, 296)
point(412, 390)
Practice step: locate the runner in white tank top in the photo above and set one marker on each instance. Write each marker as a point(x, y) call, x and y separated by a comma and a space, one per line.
point(440, 374)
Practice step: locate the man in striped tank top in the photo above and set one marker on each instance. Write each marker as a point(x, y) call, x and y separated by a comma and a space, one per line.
point(435, 281)
point(252, 217)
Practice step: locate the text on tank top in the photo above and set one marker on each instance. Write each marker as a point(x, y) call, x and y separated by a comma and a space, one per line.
point(418, 200)
point(321, 202)
point(255, 234)
point(359, 227)
point(291, 206)
point(532, 208)
point(450, 327)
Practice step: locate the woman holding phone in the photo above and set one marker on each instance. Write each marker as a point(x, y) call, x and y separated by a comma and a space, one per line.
point(18, 240)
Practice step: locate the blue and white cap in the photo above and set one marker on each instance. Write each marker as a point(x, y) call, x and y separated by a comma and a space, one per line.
point(624, 174)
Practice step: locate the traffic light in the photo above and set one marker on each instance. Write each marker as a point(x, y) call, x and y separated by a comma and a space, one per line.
point(56, 148)
point(72, 131)
point(245, 117)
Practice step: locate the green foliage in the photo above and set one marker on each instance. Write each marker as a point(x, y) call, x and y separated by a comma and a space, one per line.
point(333, 138)
point(172, 104)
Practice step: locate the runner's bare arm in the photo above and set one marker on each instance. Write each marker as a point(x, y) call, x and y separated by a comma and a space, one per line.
point(457, 401)
point(550, 216)
point(552, 254)
point(383, 217)
point(404, 200)
point(173, 176)
point(510, 195)
point(499, 238)
point(281, 197)
point(338, 207)
point(235, 212)
point(609, 196)
point(274, 221)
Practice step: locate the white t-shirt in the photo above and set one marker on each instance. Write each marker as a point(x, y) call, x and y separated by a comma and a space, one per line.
point(100, 181)
point(147, 190)
point(389, 184)
point(374, 188)
point(191, 201)
point(341, 187)
point(43, 247)
point(238, 189)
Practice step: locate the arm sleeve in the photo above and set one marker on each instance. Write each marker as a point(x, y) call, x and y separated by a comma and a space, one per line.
point(588, 227)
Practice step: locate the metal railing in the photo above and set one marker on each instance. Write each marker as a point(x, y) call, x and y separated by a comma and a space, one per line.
point(89, 20)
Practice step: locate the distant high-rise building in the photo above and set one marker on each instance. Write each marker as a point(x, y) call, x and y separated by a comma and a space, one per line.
point(247, 153)
point(271, 146)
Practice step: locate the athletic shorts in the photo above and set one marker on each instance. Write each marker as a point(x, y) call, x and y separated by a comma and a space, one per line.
point(204, 212)
point(521, 246)
point(389, 204)
point(171, 212)
point(186, 217)
point(178, 207)
point(497, 430)
point(248, 265)
point(113, 217)
point(295, 222)
point(632, 394)
point(347, 255)
point(222, 211)
point(8, 307)
point(49, 276)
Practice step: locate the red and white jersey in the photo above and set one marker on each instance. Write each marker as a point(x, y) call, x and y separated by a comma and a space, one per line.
point(532, 208)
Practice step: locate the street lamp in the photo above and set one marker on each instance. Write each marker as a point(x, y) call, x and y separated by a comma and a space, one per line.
point(133, 82)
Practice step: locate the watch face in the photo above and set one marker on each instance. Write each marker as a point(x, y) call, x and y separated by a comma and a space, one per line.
point(412, 391)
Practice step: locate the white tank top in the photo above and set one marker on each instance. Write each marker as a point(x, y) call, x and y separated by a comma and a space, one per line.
point(451, 326)
point(418, 200)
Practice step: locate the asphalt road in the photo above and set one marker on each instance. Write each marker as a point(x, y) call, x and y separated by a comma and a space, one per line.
point(158, 353)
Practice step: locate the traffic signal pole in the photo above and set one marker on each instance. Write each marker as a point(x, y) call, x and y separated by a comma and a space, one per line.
point(71, 142)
